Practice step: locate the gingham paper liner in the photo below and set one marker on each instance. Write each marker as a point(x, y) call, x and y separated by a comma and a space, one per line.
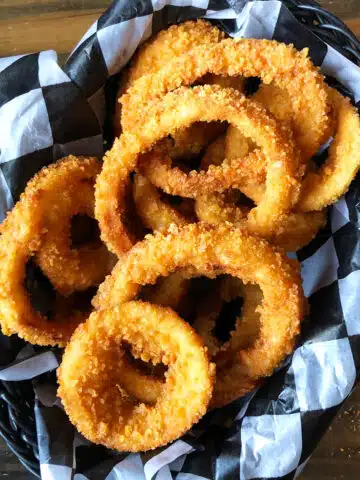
point(47, 112)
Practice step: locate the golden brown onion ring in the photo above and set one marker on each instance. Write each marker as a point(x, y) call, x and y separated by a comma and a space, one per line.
point(161, 49)
point(91, 389)
point(153, 212)
point(205, 250)
point(67, 190)
point(276, 63)
point(21, 239)
point(333, 178)
point(181, 108)
point(169, 44)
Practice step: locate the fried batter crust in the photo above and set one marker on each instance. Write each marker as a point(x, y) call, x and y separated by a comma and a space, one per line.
point(205, 250)
point(90, 384)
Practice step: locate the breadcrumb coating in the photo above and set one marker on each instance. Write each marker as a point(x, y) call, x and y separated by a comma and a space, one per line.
point(22, 236)
point(90, 377)
point(181, 108)
point(275, 63)
point(205, 250)
point(324, 186)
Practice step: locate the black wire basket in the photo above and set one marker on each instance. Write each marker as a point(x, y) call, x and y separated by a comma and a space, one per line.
point(17, 421)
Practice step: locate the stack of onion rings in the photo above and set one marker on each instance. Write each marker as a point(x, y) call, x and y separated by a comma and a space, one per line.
point(163, 48)
point(178, 109)
point(275, 63)
point(213, 251)
point(188, 130)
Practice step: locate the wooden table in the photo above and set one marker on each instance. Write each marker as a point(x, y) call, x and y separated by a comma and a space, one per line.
point(32, 25)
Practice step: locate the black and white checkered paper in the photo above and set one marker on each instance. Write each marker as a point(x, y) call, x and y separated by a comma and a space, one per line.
point(47, 112)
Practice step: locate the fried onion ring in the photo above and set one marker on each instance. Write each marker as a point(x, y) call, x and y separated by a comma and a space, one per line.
point(278, 102)
point(205, 250)
point(171, 43)
point(321, 187)
point(181, 108)
point(276, 63)
point(21, 239)
point(294, 230)
point(333, 178)
point(153, 212)
point(86, 375)
point(162, 48)
point(68, 189)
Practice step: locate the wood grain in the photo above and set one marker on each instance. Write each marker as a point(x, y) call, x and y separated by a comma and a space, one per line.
point(33, 25)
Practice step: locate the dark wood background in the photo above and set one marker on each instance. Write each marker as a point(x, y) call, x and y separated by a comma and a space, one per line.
point(33, 25)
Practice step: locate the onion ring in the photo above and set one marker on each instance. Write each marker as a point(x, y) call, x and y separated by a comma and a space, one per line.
point(205, 250)
point(294, 230)
point(279, 103)
point(276, 63)
point(161, 335)
point(333, 178)
point(160, 49)
point(153, 212)
point(171, 43)
point(21, 239)
point(178, 109)
point(325, 185)
point(68, 189)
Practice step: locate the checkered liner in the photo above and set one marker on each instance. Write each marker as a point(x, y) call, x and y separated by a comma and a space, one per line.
point(47, 112)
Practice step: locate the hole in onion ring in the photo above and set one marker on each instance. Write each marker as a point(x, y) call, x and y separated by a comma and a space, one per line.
point(240, 199)
point(320, 157)
point(84, 229)
point(252, 85)
point(40, 289)
point(147, 368)
point(130, 217)
point(48, 302)
point(186, 206)
point(226, 321)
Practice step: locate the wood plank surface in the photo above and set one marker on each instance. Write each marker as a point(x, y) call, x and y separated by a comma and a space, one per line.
point(33, 25)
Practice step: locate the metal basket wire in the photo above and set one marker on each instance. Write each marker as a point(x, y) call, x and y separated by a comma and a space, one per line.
point(17, 422)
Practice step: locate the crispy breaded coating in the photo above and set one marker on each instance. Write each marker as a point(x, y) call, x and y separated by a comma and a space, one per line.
point(22, 235)
point(274, 62)
point(181, 108)
point(205, 250)
point(91, 384)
